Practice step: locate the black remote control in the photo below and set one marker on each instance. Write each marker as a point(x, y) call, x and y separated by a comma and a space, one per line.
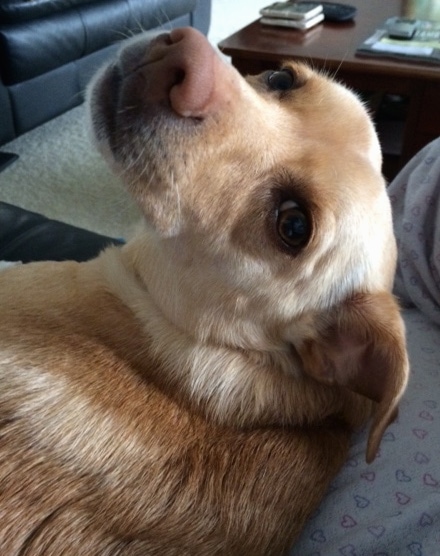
point(334, 11)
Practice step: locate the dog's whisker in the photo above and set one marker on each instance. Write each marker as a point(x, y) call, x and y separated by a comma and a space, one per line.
point(127, 34)
point(163, 19)
point(334, 74)
point(126, 109)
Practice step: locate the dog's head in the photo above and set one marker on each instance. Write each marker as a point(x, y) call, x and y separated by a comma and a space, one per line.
point(267, 214)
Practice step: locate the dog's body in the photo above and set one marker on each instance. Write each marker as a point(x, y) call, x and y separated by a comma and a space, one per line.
point(194, 392)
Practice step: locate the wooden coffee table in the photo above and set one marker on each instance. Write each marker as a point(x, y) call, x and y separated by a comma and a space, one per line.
point(332, 46)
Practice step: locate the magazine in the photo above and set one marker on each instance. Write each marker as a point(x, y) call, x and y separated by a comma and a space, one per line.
point(423, 46)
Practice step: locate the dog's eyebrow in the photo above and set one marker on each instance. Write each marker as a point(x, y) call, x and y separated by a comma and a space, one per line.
point(298, 72)
point(289, 185)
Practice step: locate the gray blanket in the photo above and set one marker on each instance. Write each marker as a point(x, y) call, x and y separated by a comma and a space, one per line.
point(392, 507)
point(415, 196)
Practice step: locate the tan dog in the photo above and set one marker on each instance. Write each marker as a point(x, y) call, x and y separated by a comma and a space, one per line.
point(193, 393)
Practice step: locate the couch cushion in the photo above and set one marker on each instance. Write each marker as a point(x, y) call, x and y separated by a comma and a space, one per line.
point(22, 10)
point(67, 84)
point(31, 48)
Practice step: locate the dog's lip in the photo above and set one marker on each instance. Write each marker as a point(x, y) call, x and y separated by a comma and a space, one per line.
point(108, 93)
point(128, 69)
point(107, 100)
point(139, 53)
point(114, 82)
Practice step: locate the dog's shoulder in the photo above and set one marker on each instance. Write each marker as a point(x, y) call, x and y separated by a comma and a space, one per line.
point(60, 322)
point(45, 297)
point(79, 403)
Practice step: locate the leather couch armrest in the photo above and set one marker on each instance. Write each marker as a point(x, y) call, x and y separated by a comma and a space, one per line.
point(7, 129)
point(28, 236)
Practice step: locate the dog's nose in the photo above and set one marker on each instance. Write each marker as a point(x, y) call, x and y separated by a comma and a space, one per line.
point(198, 80)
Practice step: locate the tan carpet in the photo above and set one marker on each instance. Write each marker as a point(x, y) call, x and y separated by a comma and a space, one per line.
point(60, 174)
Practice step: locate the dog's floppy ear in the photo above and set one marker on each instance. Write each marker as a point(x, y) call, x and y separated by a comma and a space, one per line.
point(362, 347)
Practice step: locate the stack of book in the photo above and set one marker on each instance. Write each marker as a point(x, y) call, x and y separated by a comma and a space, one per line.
point(419, 41)
point(296, 15)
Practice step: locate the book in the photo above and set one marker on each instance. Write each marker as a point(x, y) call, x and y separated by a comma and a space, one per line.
point(423, 46)
point(292, 10)
point(300, 24)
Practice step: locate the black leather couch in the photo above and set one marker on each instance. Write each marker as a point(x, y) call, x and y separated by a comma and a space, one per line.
point(28, 236)
point(49, 49)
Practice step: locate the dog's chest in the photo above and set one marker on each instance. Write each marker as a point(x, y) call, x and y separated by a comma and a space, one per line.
point(96, 459)
point(112, 449)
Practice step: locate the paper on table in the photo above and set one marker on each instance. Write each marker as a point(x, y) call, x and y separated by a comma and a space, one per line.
point(424, 47)
point(404, 50)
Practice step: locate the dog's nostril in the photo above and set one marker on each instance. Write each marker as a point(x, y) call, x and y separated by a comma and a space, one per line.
point(179, 77)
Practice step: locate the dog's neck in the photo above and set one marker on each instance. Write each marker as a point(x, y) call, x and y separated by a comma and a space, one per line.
point(228, 384)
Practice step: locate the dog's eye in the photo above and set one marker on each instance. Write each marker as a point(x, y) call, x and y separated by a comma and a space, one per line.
point(293, 224)
point(282, 80)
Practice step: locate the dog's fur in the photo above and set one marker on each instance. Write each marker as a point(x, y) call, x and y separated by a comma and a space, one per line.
point(193, 393)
